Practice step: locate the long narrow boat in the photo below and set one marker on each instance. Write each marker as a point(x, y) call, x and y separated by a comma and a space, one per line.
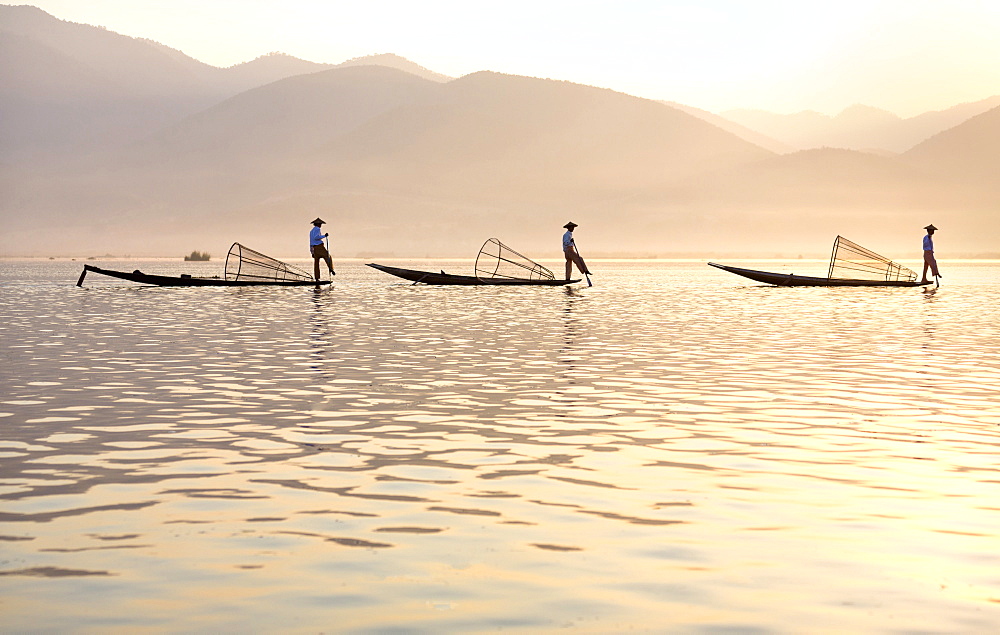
point(244, 268)
point(851, 265)
point(190, 281)
point(496, 265)
point(429, 277)
point(792, 280)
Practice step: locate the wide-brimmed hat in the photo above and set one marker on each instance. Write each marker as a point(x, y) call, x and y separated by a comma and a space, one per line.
point(570, 225)
point(931, 227)
point(319, 221)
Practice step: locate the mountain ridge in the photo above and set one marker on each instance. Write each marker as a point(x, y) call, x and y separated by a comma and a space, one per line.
point(136, 85)
point(420, 166)
point(968, 153)
point(858, 127)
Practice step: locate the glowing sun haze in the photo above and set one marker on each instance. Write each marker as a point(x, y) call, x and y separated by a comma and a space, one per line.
point(906, 56)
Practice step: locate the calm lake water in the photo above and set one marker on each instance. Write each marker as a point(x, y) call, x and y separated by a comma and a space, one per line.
point(674, 449)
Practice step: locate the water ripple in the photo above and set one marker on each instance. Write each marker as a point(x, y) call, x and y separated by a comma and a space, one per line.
point(670, 449)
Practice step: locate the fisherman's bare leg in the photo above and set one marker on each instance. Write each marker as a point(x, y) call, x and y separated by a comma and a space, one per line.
point(572, 257)
point(929, 263)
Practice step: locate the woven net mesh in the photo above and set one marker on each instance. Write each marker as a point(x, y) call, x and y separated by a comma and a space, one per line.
point(244, 263)
point(853, 262)
point(497, 260)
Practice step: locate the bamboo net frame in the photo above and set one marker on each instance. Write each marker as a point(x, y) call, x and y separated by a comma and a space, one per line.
point(243, 263)
point(851, 261)
point(497, 260)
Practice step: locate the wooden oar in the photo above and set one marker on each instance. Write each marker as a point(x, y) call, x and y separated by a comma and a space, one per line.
point(326, 239)
point(585, 273)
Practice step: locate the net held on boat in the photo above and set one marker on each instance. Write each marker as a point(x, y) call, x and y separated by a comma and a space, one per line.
point(244, 267)
point(497, 260)
point(243, 263)
point(851, 261)
point(496, 264)
point(851, 265)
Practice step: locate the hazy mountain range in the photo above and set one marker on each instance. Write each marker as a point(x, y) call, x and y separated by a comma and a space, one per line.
point(857, 128)
point(115, 144)
point(73, 87)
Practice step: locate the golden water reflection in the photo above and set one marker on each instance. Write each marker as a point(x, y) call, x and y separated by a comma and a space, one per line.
point(667, 450)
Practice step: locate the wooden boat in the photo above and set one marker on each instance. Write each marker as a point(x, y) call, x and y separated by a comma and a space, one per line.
point(244, 268)
point(851, 265)
point(190, 281)
point(429, 277)
point(497, 264)
point(792, 280)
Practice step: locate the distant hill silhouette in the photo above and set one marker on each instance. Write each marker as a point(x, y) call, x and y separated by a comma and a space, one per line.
point(478, 154)
point(275, 66)
point(281, 120)
point(72, 86)
point(399, 63)
point(931, 123)
point(806, 198)
point(126, 146)
point(67, 87)
point(969, 152)
point(739, 130)
point(830, 178)
point(486, 131)
point(858, 127)
point(266, 69)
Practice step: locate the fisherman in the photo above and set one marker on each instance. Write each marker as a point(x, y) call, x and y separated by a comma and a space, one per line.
point(929, 261)
point(318, 249)
point(569, 250)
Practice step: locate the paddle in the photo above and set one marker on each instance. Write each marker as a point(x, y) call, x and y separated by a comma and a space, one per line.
point(589, 283)
point(326, 239)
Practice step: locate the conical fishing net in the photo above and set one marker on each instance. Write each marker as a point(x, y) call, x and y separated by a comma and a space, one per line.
point(853, 262)
point(244, 263)
point(497, 260)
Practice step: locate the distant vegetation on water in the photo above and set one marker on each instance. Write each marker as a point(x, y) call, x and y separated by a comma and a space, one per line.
point(198, 256)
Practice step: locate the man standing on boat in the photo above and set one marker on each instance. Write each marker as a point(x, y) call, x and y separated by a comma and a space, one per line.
point(569, 250)
point(318, 249)
point(929, 261)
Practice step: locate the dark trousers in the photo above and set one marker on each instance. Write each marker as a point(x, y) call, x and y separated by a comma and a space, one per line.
point(319, 252)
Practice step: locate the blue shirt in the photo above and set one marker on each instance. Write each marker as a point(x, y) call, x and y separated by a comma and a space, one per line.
point(316, 236)
point(568, 240)
point(928, 243)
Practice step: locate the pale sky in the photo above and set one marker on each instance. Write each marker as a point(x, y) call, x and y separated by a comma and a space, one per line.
point(907, 56)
